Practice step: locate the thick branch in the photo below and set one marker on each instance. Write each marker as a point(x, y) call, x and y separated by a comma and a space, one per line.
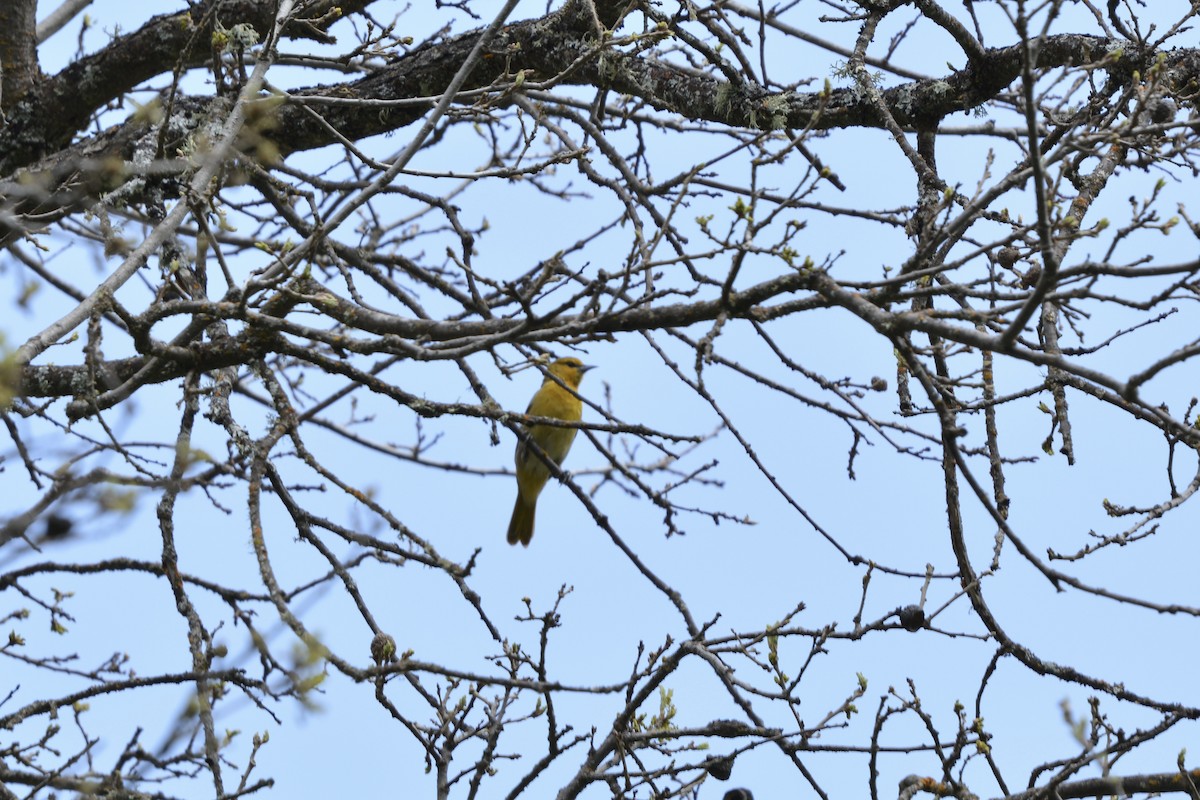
point(18, 49)
point(60, 106)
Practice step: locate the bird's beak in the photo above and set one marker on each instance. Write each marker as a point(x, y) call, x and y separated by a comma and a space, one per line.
point(586, 367)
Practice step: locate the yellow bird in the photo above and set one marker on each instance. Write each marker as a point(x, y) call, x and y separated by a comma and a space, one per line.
point(559, 401)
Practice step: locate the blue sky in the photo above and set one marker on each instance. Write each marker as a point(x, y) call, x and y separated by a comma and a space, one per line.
point(892, 513)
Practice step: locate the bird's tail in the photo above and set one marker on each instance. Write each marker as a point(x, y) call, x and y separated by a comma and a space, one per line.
point(520, 527)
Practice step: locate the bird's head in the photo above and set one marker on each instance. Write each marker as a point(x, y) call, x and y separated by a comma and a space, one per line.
point(569, 370)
